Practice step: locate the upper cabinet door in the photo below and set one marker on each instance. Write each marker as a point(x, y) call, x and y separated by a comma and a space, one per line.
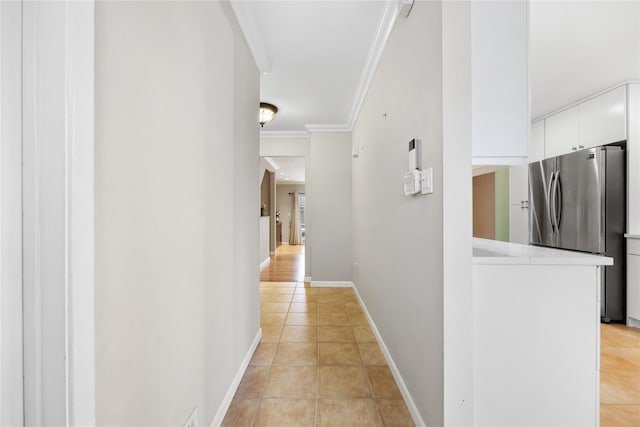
point(499, 77)
point(562, 132)
point(602, 119)
point(536, 143)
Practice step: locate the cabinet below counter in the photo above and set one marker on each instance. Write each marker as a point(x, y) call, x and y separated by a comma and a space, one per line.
point(536, 335)
point(633, 280)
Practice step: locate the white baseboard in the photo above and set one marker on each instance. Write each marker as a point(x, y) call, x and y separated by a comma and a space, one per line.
point(226, 402)
point(272, 253)
point(264, 263)
point(417, 419)
point(634, 323)
point(330, 284)
point(307, 279)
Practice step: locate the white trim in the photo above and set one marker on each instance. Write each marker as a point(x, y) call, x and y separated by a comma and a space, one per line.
point(11, 277)
point(264, 263)
point(633, 323)
point(242, 10)
point(226, 402)
point(80, 213)
point(307, 279)
point(580, 101)
point(58, 197)
point(388, 20)
point(411, 405)
point(284, 134)
point(328, 128)
point(498, 161)
point(272, 253)
point(269, 164)
point(330, 284)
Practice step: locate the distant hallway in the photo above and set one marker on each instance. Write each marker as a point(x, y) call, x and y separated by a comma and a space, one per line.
point(287, 265)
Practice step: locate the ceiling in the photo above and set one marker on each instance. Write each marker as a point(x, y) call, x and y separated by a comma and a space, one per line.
point(318, 56)
point(579, 48)
point(290, 170)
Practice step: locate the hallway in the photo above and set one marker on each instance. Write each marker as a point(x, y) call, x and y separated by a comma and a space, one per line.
point(287, 265)
point(318, 364)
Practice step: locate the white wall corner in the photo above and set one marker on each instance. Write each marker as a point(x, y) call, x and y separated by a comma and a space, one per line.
point(406, 395)
point(233, 387)
point(387, 21)
point(242, 10)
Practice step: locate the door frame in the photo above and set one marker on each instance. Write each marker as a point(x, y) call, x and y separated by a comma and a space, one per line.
point(11, 368)
point(58, 212)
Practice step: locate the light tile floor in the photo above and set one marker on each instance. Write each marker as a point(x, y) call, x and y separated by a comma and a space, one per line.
point(318, 364)
point(619, 376)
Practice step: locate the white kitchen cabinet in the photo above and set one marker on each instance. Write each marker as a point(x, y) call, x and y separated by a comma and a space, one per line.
point(535, 324)
point(602, 119)
point(633, 158)
point(633, 290)
point(562, 132)
point(536, 142)
point(499, 82)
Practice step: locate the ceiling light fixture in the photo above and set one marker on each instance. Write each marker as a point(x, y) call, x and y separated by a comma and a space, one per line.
point(267, 113)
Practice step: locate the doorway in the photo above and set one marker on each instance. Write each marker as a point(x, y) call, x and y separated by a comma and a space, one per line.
point(283, 201)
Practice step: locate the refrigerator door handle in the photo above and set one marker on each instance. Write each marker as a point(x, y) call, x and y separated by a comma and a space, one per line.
point(550, 202)
point(558, 201)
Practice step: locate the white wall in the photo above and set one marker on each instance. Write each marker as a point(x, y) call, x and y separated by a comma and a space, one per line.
point(328, 194)
point(457, 212)
point(283, 204)
point(264, 238)
point(176, 269)
point(398, 240)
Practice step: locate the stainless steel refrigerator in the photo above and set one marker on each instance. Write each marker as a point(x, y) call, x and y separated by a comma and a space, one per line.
point(578, 202)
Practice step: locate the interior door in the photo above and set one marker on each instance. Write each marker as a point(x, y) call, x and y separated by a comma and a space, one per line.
point(541, 231)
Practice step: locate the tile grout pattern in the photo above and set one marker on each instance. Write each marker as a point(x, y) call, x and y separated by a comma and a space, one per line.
point(318, 364)
point(619, 376)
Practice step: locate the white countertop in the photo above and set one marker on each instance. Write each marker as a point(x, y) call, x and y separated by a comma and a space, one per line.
point(632, 236)
point(496, 252)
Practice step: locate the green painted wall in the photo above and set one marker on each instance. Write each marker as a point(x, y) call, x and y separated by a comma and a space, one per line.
point(502, 204)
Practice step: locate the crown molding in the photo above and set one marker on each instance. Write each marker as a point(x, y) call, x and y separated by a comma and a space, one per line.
point(284, 134)
point(249, 29)
point(328, 128)
point(585, 99)
point(385, 26)
point(389, 17)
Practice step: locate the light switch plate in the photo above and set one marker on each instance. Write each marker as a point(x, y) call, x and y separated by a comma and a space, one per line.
point(427, 181)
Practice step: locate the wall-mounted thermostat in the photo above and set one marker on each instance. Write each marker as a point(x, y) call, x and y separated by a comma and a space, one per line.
point(412, 182)
point(417, 181)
